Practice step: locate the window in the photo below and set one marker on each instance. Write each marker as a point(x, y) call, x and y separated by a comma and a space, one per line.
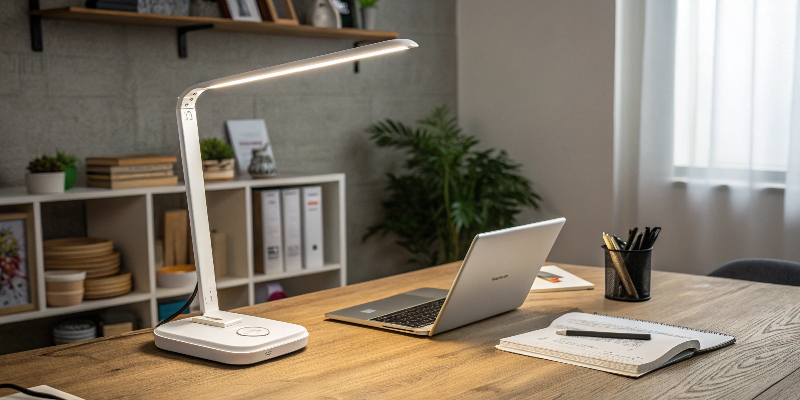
point(734, 72)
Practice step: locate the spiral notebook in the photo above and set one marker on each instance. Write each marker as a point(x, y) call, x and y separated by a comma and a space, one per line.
point(633, 358)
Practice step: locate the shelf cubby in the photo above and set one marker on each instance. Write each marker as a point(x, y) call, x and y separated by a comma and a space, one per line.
point(131, 218)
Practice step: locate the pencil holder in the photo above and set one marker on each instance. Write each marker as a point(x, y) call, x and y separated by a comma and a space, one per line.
point(628, 274)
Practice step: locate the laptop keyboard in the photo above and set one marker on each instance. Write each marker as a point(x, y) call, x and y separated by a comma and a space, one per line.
point(414, 317)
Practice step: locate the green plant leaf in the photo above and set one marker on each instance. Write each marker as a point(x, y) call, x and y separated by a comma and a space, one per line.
point(450, 191)
point(215, 149)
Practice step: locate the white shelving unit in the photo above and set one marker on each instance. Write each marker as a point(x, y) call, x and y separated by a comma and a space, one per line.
point(130, 217)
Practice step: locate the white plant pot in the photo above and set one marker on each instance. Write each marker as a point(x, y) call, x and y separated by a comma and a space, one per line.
point(45, 182)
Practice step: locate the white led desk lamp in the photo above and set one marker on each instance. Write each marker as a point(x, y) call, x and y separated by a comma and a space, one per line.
point(218, 335)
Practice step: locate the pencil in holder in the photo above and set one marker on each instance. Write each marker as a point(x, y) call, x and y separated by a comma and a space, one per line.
point(628, 274)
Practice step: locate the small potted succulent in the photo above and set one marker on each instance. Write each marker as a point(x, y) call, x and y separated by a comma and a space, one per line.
point(45, 175)
point(68, 162)
point(217, 159)
point(369, 13)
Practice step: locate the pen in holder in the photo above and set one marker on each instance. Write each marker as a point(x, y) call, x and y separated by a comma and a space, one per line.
point(628, 274)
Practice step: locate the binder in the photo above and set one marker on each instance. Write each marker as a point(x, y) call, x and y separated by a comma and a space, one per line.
point(292, 230)
point(268, 231)
point(312, 227)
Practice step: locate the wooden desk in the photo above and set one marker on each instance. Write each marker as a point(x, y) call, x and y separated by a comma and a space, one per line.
point(347, 361)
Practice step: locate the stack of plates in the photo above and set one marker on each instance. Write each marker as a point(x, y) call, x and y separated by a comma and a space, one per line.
point(95, 256)
point(74, 331)
point(110, 286)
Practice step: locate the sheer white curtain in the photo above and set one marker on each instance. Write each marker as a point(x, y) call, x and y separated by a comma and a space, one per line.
point(707, 128)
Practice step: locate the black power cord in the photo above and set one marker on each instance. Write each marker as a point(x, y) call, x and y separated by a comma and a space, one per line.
point(179, 312)
point(30, 392)
point(54, 397)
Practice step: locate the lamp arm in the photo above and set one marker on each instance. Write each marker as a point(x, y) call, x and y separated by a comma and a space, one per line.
point(196, 199)
point(193, 165)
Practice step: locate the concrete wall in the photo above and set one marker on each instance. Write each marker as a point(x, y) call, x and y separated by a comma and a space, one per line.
point(536, 77)
point(100, 89)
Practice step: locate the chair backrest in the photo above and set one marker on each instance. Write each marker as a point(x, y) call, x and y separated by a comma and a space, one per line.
point(761, 270)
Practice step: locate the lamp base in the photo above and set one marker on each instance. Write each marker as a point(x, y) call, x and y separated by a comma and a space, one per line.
point(250, 341)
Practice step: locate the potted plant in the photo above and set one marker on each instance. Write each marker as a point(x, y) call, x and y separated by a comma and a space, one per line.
point(369, 13)
point(450, 193)
point(45, 175)
point(217, 159)
point(68, 162)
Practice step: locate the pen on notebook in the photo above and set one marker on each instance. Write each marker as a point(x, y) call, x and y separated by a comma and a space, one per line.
point(609, 335)
point(550, 277)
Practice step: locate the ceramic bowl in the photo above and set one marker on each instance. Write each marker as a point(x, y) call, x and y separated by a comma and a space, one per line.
point(176, 276)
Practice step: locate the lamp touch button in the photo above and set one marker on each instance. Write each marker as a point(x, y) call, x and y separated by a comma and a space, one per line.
point(253, 331)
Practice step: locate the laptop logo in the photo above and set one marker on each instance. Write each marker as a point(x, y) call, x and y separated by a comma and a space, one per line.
point(368, 311)
point(497, 278)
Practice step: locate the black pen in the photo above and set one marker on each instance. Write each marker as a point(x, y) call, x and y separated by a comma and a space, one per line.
point(609, 335)
point(654, 236)
point(631, 235)
point(645, 238)
point(637, 242)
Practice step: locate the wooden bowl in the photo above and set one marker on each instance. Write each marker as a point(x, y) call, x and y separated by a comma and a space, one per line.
point(63, 299)
point(77, 247)
point(110, 286)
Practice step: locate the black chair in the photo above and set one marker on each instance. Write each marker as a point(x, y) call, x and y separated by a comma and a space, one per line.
point(761, 270)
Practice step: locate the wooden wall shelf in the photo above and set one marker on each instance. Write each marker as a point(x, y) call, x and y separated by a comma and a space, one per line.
point(184, 24)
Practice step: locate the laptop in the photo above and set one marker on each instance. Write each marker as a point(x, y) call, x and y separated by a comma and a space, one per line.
point(495, 277)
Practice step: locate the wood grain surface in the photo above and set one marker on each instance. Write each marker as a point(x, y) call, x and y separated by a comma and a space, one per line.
point(348, 361)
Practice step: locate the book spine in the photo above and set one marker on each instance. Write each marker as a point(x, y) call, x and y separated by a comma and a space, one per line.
point(292, 230)
point(258, 229)
point(129, 169)
point(312, 227)
point(272, 231)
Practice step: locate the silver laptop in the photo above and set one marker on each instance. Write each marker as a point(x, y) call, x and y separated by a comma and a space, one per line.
point(495, 277)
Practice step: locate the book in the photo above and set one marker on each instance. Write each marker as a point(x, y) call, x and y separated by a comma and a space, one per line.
point(129, 169)
point(633, 358)
point(568, 282)
point(132, 183)
point(267, 231)
point(312, 227)
point(247, 135)
point(123, 177)
point(292, 230)
point(132, 159)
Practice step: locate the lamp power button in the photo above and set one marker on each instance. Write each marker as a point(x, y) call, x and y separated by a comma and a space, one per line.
point(253, 331)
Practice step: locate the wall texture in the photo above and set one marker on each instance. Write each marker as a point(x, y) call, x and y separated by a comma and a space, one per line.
point(536, 77)
point(100, 89)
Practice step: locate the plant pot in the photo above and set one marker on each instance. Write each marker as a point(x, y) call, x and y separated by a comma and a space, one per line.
point(218, 170)
point(70, 174)
point(45, 182)
point(369, 18)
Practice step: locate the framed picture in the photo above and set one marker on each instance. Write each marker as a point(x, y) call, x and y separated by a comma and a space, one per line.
point(347, 11)
point(17, 264)
point(240, 10)
point(278, 11)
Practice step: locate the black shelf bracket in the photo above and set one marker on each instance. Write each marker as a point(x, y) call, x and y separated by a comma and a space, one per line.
point(357, 44)
point(36, 26)
point(182, 36)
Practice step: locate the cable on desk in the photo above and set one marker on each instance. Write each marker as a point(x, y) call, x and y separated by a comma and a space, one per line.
point(179, 312)
point(30, 392)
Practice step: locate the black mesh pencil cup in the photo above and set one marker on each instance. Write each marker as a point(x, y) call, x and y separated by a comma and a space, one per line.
point(628, 274)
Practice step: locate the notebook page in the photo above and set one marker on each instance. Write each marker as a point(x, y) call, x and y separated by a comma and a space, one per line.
point(619, 354)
